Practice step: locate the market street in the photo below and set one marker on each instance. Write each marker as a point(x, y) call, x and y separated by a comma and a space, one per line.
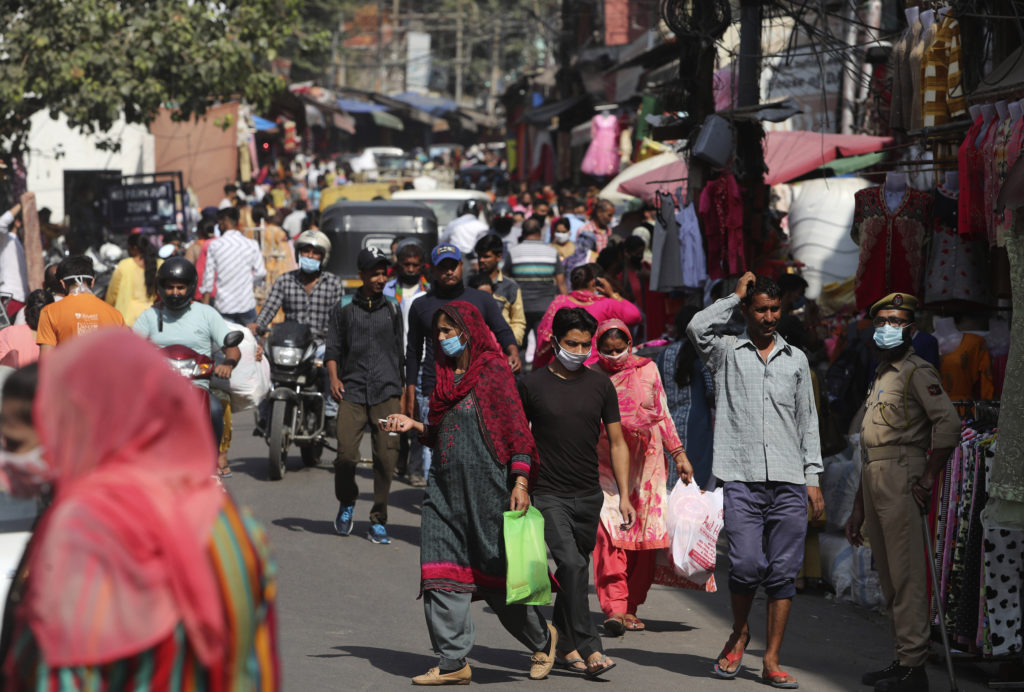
point(349, 618)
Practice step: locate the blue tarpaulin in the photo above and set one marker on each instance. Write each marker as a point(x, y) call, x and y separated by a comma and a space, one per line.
point(354, 106)
point(263, 123)
point(437, 107)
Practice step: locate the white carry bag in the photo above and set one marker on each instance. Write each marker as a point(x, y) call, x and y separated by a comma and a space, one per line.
point(250, 379)
point(695, 519)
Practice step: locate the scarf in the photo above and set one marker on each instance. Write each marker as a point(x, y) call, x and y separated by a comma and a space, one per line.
point(490, 380)
point(637, 419)
point(121, 557)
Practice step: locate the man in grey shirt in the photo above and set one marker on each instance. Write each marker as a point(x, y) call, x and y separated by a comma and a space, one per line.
point(768, 455)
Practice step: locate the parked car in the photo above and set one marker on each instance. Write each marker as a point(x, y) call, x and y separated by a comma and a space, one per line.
point(352, 226)
point(445, 203)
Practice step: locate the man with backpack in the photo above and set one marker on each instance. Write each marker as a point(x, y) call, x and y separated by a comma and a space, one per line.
point(364, 363)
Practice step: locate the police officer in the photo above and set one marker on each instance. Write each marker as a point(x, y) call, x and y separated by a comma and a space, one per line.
point(907, 413)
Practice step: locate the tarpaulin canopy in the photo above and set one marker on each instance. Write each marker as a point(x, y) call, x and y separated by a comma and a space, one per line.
point(435, 106)
point(383, 119)
point(263, 124)
point(355, 106)
point(788, 155)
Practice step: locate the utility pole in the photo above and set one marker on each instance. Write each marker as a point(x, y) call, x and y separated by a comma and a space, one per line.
point(380, 47)
point(492, 101)
point(396, 45)
point(458, 51)
point(749, 87)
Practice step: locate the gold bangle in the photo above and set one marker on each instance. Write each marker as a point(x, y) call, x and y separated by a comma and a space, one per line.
point(524, 486)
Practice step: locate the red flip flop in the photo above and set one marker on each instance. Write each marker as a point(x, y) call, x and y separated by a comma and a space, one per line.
point(732, 658)
point(779, 679)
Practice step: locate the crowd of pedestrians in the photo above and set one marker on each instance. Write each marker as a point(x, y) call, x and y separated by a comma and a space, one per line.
point(517, 362)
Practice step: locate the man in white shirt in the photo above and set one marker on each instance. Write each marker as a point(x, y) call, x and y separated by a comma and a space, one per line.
point(13, 271)
point(465, 229)
point(230, 196)
point(235, 264)
point(292, 223)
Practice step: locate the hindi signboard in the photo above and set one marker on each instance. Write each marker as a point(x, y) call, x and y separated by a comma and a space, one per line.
point(142, 204)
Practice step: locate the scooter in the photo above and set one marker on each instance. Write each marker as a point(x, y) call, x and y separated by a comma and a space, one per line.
point(195, 366)
point(297, 399)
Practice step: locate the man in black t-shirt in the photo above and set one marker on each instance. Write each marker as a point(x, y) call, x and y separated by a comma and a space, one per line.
point(566, 404)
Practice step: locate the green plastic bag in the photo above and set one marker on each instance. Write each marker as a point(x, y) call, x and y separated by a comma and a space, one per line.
point(527, 579)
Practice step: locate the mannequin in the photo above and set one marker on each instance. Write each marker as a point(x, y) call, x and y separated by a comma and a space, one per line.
point(1015, 110)
point(947, 334)
point(952, 183)
point(943, 11)
point(1002, 109)
point(895, 189)
point(975, 111)
point(912, 14)
point(988, 114)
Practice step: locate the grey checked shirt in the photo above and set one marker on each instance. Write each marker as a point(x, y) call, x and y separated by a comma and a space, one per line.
point(313, 308)
point(766, 426)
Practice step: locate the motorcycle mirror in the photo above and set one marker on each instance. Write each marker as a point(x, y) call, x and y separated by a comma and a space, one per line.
point(233, 339)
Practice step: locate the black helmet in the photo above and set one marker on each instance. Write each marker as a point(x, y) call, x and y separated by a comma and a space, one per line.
point(502, 220)
point(500, 209)
point(470, 206)
point(177, 269)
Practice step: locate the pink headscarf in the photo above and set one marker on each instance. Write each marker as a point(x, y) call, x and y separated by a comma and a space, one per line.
point(630, 386)
point(122, 555)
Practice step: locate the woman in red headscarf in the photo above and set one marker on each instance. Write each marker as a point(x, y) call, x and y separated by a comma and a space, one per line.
point(624, 560)
point(484, 460)
point(142, 574)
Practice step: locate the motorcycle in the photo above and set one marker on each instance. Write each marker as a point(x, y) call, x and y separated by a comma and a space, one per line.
point(195, 366)
point(297, 399)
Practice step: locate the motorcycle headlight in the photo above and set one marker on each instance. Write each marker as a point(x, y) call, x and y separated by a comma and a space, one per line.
point(287, 356)
point(186, 368)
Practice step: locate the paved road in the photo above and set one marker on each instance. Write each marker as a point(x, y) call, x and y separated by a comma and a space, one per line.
point(349, 618)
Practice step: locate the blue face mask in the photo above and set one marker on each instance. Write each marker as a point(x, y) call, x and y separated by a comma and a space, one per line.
point(309, 265)
point(452, 346)
point(888, 336)
point(799, 302)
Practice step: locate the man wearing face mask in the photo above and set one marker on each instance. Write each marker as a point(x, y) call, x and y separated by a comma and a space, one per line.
point(566, 405)
point(23, 473)
point(80, 313)
point(907, 414)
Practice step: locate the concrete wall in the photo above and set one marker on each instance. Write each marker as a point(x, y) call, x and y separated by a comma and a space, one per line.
point(54, 148)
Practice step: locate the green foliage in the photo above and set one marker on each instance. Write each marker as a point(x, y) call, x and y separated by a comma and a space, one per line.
point(94, 59)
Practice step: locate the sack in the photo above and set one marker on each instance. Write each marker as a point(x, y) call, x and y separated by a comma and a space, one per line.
point(250, 380)
point(526, 553)
point(695, 519)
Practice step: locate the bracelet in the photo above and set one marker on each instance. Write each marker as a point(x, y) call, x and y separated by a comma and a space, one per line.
point(524, 486)
point(230, 361)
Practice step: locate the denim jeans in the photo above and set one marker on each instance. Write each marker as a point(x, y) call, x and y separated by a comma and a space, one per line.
point(243, 318)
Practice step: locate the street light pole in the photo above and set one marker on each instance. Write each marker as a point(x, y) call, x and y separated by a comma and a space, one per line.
point(749, 89)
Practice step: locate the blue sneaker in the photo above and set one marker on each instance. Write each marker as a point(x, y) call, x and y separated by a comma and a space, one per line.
point(343, 522)
point(378, 534)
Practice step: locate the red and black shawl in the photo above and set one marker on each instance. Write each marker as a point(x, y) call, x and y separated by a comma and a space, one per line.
point(489, 378)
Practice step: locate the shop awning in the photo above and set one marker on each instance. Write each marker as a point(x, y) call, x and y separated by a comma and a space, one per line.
point(845, 166)
point(385, 119)
point(262, 124)
point(542, 114)
point(355, 106)
point(789, 155)
point(436, 107)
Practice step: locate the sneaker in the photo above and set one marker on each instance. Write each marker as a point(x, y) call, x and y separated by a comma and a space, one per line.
point(343, 522)
point(377, 534)
point(906, 680)
point(875, 677)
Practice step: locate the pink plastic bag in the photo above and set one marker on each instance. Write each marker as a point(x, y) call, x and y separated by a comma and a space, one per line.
point(695, 519)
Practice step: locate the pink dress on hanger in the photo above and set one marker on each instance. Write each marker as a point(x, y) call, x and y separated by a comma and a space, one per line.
point(602, 157)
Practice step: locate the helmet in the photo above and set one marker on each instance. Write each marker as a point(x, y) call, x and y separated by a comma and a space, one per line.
point(502, 220)
point(177, 269)
point(470, 206)
point(316, 239)
point(501, 209)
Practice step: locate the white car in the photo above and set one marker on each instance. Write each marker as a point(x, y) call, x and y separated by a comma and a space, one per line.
point(445, 203)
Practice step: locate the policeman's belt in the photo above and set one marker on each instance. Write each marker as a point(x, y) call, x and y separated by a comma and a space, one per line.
point(892, 452)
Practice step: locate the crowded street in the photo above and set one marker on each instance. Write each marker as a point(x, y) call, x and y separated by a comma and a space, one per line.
point(654, 343)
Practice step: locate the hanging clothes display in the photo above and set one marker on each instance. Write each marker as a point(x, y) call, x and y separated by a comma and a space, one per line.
point(971, 216)
point(921, 38)
point(1002, 219)
point(666, 271)
point(721, 217)
point(602, 157)
point(891, 243)
point(902, 86)
point(944, 98)
point(691, 248)
point(990, 183)
point(967, 370)
point(957, 270)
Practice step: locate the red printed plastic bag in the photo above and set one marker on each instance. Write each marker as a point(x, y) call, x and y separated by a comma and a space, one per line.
point(695, 519)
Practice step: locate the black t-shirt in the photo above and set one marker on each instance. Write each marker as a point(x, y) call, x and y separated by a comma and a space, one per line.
point(566, 417)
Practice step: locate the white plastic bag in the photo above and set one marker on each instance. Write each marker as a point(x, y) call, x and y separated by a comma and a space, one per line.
point(695, 519)
point(250, 379)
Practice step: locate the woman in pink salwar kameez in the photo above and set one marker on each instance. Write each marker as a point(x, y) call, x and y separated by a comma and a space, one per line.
point(624, 561)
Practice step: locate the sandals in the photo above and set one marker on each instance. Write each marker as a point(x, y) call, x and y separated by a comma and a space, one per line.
point(605, 665)
point(779, 679)
point(615, 625)
point(574, 664)
point(732, 658)
point(224, 472)
point(633, 623)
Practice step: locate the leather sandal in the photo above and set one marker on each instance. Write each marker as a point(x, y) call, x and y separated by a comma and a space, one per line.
point(615, 625)
point(633, 623)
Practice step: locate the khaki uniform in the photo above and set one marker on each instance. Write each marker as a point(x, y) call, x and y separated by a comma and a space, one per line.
point(907, 414)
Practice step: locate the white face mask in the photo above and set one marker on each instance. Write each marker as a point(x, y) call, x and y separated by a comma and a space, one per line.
point(615, 359)
point(571, 361)
point(561, 238)
point(25, 473)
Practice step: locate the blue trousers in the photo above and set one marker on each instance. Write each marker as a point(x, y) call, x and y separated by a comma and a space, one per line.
point(766, 525)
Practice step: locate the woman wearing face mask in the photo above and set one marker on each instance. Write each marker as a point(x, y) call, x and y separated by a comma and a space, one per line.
point(22, 472)
point(483, 464)
point(624, 557)
point(141, 573)
point(562, 238)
